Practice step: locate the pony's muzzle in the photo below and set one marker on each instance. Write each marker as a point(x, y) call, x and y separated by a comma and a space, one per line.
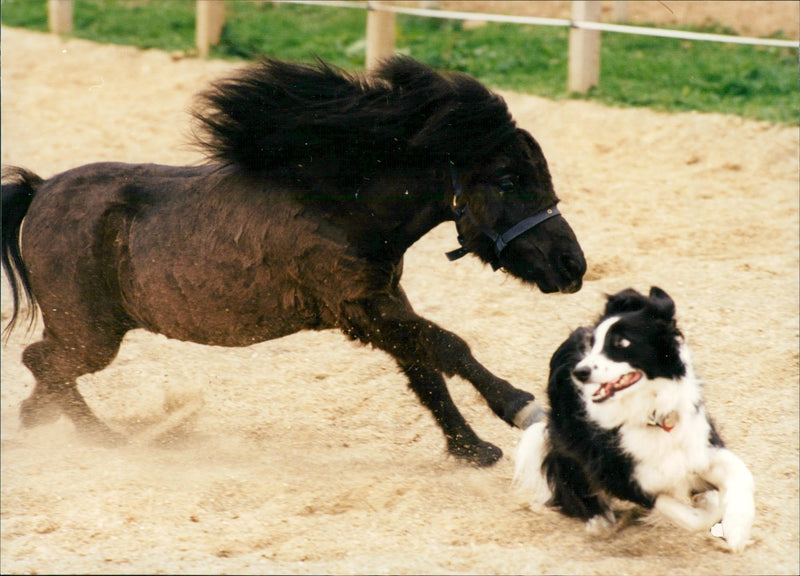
point(571, 267)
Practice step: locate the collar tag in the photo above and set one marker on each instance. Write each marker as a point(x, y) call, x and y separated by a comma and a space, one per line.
point(666, 422)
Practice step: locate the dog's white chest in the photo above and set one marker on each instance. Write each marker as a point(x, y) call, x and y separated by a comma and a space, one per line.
point(670, 453)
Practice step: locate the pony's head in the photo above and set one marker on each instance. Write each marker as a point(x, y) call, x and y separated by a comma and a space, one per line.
point(505, 211)
point(408, 116)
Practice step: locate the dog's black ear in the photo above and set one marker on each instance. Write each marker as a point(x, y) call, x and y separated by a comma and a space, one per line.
point(662, 303)
point(629, 300)
point(571, 351)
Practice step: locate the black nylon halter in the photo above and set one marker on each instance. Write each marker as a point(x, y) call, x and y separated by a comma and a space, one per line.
point(499, 241)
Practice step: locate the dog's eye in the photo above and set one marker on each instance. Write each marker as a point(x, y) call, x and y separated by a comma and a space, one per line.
point(621, 342)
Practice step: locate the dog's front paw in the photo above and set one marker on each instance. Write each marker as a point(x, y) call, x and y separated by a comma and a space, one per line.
point(708, 501)
point(736, 525)
point(734, 534)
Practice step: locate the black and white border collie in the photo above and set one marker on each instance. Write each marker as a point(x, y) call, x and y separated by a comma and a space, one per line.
point(627, 422)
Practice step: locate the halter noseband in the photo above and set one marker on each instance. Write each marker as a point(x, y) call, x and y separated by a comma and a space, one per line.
point(499, 241)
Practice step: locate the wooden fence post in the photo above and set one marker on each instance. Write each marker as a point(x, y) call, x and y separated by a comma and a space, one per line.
point(209, 21)
point(380, 35)
point(584, 48)
point(59, 16)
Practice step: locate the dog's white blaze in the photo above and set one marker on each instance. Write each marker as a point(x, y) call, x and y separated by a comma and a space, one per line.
point(603, 368)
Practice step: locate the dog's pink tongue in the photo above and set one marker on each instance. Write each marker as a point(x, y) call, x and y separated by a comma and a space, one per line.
point(605, 391)
point(628, 379)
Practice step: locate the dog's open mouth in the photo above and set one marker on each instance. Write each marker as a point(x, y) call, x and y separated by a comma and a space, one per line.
point(608, 389)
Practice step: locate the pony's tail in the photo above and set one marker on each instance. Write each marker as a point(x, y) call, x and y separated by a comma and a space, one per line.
point(18, 189)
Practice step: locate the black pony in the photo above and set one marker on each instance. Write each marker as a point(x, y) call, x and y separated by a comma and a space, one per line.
point(320, 182)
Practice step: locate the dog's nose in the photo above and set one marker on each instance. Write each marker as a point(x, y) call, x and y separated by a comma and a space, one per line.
point(582, 373)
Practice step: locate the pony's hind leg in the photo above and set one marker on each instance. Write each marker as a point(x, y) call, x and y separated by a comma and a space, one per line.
point(56, 367)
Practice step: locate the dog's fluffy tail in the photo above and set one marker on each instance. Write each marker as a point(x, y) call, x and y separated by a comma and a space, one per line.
point(528, 460)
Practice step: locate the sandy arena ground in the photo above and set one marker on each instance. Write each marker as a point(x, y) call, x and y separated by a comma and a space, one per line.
point(309, 454)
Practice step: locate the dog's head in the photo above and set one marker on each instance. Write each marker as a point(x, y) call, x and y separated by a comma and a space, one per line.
point(635, 338)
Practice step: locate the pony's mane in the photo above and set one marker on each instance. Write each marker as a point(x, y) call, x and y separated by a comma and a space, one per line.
point(279, 114)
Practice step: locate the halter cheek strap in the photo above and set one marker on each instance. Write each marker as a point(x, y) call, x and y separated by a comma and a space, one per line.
point(502, 240)
point(499, 241)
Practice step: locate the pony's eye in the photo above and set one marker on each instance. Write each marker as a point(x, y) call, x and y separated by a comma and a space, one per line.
point(506, 183)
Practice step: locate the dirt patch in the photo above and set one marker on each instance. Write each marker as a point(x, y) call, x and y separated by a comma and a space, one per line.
point(309, 454)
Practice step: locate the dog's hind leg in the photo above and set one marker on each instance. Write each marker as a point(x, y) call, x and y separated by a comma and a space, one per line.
point(574, 494)
point(600, 524)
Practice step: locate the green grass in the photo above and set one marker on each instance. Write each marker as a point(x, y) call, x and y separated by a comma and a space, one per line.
point(660, 73)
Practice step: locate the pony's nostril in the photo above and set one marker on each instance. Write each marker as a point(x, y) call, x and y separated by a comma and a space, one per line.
point(571, 265)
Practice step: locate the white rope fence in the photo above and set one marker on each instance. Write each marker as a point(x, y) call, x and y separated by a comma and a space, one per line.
point(532, 20)
point(585, 29)
point(584, 41)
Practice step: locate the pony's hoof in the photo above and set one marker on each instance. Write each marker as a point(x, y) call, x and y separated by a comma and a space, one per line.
point(530, 414)
point(36, 411)
point(479, 454)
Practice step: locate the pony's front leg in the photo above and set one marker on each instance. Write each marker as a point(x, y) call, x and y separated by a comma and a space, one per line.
point(424, 351)
point(462, 442)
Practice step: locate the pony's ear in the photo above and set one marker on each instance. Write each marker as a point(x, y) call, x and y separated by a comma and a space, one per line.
point(663, 304)
point(629, 300)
